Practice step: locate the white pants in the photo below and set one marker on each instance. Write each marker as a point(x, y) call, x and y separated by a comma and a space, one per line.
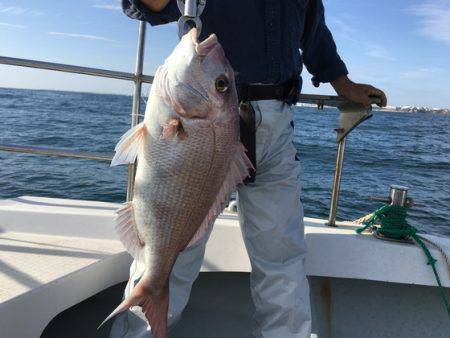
point(271, 219)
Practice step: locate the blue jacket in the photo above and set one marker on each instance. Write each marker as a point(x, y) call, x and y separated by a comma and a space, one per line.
point(263, 38)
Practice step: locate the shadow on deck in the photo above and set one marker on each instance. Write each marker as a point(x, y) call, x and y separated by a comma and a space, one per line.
point(219, 303)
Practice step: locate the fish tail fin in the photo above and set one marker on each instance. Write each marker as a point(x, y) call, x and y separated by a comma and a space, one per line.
point(155, 306)
point(129, 145)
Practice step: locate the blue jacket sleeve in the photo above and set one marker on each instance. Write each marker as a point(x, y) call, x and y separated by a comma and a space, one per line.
point(136, 10)
point(319, 50)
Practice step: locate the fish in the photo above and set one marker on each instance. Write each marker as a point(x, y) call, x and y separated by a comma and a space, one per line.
point(189, 159)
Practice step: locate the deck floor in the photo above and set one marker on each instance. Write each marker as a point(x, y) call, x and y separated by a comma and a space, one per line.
point(227, 312)
point(28, 261)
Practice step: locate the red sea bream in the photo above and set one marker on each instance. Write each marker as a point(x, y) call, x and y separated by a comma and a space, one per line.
point(189, 160)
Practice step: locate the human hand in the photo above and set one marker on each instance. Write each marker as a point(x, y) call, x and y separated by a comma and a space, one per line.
point(358, 92)
point(155, 5)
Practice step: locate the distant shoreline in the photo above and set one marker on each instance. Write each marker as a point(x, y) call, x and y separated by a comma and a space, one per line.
point(409, 109)
point(390, 109)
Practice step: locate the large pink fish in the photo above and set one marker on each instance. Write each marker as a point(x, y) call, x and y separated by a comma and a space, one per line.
point(189, 160)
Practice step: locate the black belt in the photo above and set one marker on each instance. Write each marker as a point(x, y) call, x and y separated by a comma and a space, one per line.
point(287, 92)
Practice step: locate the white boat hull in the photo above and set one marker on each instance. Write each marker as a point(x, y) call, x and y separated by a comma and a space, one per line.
point(59, 252)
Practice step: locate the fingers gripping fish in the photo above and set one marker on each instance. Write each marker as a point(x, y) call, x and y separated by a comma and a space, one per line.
point(190, 159)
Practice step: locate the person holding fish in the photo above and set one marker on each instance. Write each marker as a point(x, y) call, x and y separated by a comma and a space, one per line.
point(246, 61)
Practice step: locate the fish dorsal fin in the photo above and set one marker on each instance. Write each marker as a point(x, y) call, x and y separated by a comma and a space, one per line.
point(239, 170)
point(129, 145)
point(127, 231)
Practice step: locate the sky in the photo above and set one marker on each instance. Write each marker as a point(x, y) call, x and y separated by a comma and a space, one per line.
point(401, 46)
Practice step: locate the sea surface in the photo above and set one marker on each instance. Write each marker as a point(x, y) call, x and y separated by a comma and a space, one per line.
point(411, 149)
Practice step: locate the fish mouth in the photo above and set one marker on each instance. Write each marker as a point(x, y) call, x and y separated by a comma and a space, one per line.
point(203, 48)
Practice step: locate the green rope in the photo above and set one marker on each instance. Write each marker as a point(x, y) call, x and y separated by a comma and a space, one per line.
point(394, 225)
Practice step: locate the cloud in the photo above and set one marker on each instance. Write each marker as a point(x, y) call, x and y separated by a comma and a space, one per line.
point(82, 36)
point(17, 10)
point(108, 6)
point(343, 30)
point(422, 72)
point(5, 24)
point(434, 20)
point(112, 5)
point(378, 52)
point(12, 9)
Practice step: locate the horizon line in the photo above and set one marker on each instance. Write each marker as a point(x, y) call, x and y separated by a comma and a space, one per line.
point(146, 96)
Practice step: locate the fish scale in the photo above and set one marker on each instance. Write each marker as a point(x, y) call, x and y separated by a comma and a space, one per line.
point(178, 193)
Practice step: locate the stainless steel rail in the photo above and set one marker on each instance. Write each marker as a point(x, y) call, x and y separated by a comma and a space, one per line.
point(322, 100)
point(137, 77)
point(333, 101)
point(55, 152)
point(335, 190)
point(136, 108)
point(112, 74)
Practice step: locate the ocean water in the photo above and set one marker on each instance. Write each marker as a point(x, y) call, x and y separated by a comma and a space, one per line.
point(411, 149)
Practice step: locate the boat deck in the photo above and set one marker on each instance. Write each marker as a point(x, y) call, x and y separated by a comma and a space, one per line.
point(29, 261)
point(220, 303)
point(55, 254)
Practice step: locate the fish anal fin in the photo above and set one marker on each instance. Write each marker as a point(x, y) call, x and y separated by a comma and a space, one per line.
point(238, 172)
point(127, 231)
point(129, 145)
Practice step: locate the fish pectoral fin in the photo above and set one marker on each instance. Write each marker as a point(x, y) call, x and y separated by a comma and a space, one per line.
point(127, 231)
point(238, 172)
point(129, 145)
point(173, 127)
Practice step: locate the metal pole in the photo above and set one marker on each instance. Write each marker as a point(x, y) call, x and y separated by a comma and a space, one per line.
point(336, 183)
point(398, 195)
point(60, 67)
point(136, 100)
point(55, 152)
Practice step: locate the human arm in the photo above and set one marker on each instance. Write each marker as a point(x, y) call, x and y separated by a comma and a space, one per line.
point(322, 60)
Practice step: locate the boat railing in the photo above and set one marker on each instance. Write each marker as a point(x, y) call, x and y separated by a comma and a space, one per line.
point(139, 78)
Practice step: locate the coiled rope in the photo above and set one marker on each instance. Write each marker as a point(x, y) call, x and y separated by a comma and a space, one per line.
point(394, 226)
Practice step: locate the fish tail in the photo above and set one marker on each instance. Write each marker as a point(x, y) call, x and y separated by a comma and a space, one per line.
point(155, 306)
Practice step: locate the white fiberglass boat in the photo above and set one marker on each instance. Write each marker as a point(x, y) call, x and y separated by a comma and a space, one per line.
point(56, 253)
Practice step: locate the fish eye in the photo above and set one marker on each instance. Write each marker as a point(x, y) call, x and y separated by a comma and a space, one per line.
point(222, 84)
